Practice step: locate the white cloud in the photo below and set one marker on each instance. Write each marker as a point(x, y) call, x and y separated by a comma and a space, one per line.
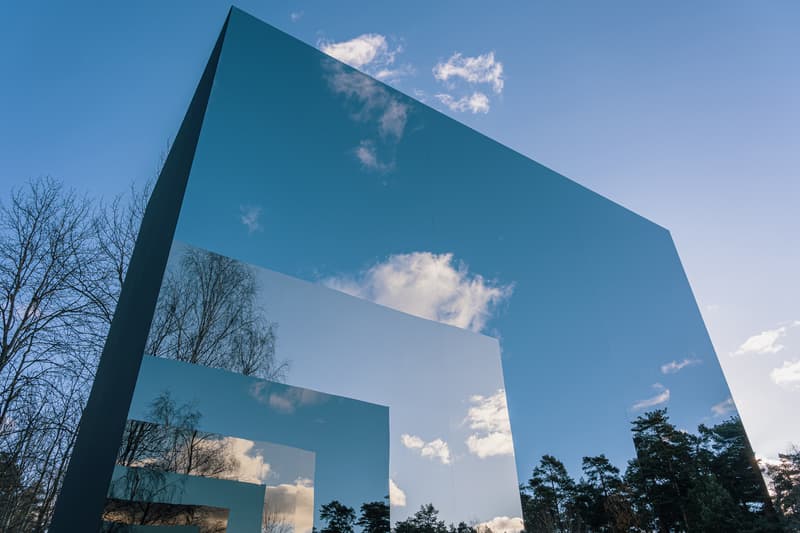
point(371, 97)
point(490, 444)
point(304, 506)
point(411, 441)
point(488, 417)
point(252, 467)
point(393, 119)
point(787, 375)
point(374, 104)
point(480, 69)
point(661, 398)
point(502, 524)
point(250, 216)
point(291, 504)
point(477, 102)
point(366, 153)
point(765, 342)
point(676, 366)
point(489, 413)
point(435, 449)
point(281, 403)
point(285, 400)
point(397, 497)
point(724, 407)
point(427, 285)
point(360, 51)
point(370, 53)
point(473, 70)
point(389, 75)
point(296, 15)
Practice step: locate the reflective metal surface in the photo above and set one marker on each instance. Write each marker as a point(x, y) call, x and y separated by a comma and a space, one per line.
point(586, 341)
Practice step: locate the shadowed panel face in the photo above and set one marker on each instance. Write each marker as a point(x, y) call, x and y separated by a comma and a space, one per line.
point(119, 515)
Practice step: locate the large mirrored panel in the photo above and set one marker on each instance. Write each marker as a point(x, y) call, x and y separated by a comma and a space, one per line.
point(324, 174)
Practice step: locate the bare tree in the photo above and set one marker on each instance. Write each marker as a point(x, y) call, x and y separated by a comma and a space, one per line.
point(45, 244)
point(208, 314)
point(63, 258)
point(46, 358)
point(274, 521)
point(115, 227)
point(171, 442)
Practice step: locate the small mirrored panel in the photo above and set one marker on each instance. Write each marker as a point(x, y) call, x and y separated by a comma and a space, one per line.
point(121, 516)
point(146, 496)
point(262, 451)
point(621, 416)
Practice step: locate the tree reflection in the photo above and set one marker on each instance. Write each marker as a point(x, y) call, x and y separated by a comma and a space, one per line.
point(172, 443)
point(151, 452)
point(207, 314)
point(119, 514)
point(274, 521)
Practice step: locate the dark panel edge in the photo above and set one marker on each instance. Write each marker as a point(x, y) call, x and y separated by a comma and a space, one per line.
point(82, 497)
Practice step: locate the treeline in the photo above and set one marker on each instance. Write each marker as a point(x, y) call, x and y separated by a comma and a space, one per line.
point(62, 261)
point(678, 481)
point(784, 476)
point(374, 518)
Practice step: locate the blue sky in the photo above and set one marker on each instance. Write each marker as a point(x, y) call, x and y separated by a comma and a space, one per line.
point(685, 114)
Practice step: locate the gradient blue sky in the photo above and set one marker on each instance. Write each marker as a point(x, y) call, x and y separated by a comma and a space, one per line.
point(685, 114)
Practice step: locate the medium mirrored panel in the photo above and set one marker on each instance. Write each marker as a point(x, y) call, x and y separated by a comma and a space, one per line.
point(621, 416)
point(449, 430)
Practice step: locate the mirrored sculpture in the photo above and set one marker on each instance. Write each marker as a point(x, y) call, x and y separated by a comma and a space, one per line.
point(557, 343)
